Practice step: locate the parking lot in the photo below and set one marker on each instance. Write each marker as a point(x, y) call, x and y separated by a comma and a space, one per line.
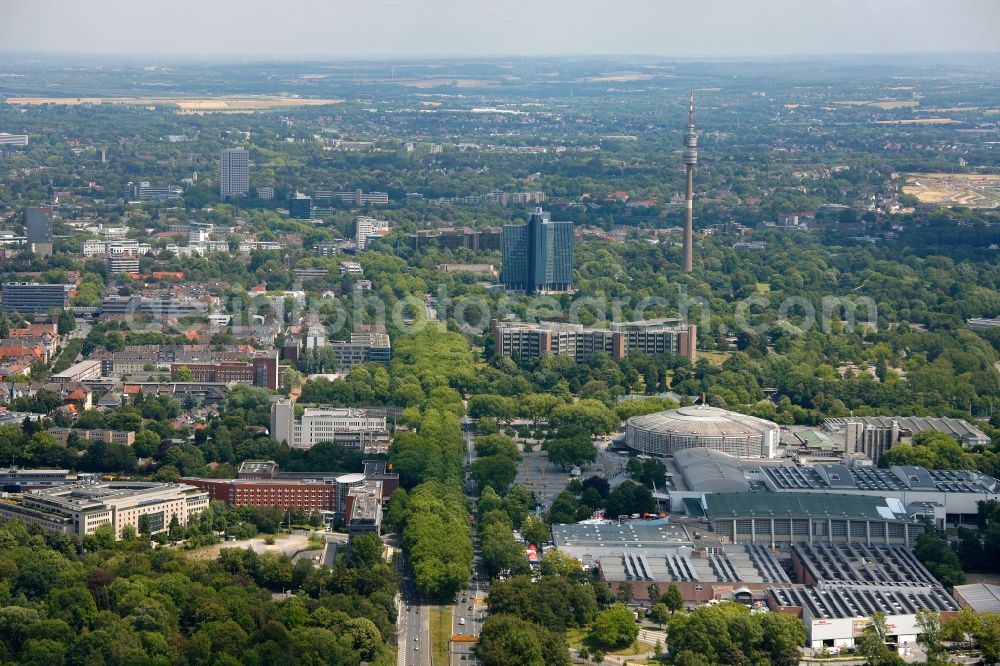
point(546, 480)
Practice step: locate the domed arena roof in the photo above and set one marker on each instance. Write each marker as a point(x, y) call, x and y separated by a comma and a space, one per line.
point(666, 433)
point(701, 421)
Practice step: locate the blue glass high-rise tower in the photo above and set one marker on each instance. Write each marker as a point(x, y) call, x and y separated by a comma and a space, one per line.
point(538, 256)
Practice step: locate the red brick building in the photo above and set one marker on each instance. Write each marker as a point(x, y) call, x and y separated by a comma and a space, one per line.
point(261, 484)
point(305, 495)
point(263, 371)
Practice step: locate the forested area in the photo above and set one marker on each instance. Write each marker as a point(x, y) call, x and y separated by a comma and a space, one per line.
point(528, 619)
point(123, 603)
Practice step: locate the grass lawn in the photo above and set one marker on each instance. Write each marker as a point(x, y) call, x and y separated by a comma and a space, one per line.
point(714, 357)
point(638, 647)
point(440, 634)
point(577, 638)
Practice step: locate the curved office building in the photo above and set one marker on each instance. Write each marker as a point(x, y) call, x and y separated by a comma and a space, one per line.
point(700, 426)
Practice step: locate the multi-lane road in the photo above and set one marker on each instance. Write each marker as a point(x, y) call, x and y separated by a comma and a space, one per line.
point(469, 610)
point(412, 624)
point(413, 627)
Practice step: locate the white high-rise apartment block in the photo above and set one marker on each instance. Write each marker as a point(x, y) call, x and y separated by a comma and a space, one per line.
point(369, 228)
point(234, 179)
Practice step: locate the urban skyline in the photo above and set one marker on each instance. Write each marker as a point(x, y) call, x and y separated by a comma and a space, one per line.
point(430, 341)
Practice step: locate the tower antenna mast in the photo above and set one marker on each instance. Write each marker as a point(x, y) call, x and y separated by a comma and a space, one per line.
point(690, 159)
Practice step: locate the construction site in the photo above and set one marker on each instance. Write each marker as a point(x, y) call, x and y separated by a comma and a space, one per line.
point(971, 190)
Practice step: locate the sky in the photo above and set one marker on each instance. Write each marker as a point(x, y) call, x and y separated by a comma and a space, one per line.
point(428, 28)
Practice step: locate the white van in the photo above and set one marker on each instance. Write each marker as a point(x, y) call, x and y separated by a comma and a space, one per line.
point(461, 621)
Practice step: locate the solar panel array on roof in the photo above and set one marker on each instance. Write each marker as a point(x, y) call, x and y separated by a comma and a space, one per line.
point(636, 567)
point(782, 476)
point(722, 567)
point(829, 603)
point(840, 477)
point(862, 564)
point(963, 481)
point(744, 563)
point(766, 563)
point(680, 567)
point(870, 478)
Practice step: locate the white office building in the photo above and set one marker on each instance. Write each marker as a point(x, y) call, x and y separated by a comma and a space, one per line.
point(13, 139)
point(197, 235)
point(121, 263)
point(353, 428)
point(111, 233)
point(78, 510)
point(351, 268)
point(93, 247)
point(368, 228)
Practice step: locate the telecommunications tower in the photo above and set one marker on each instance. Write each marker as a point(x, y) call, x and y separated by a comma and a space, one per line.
point(690, 159)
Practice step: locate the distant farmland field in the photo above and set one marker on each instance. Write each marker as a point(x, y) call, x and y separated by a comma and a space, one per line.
point(185, 105)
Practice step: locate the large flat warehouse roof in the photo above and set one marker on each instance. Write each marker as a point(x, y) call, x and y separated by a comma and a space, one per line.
point(635, 534)
point(800, 505)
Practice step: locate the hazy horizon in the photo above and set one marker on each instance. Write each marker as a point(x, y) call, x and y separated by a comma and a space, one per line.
point(936, 57)
point(387, 29)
